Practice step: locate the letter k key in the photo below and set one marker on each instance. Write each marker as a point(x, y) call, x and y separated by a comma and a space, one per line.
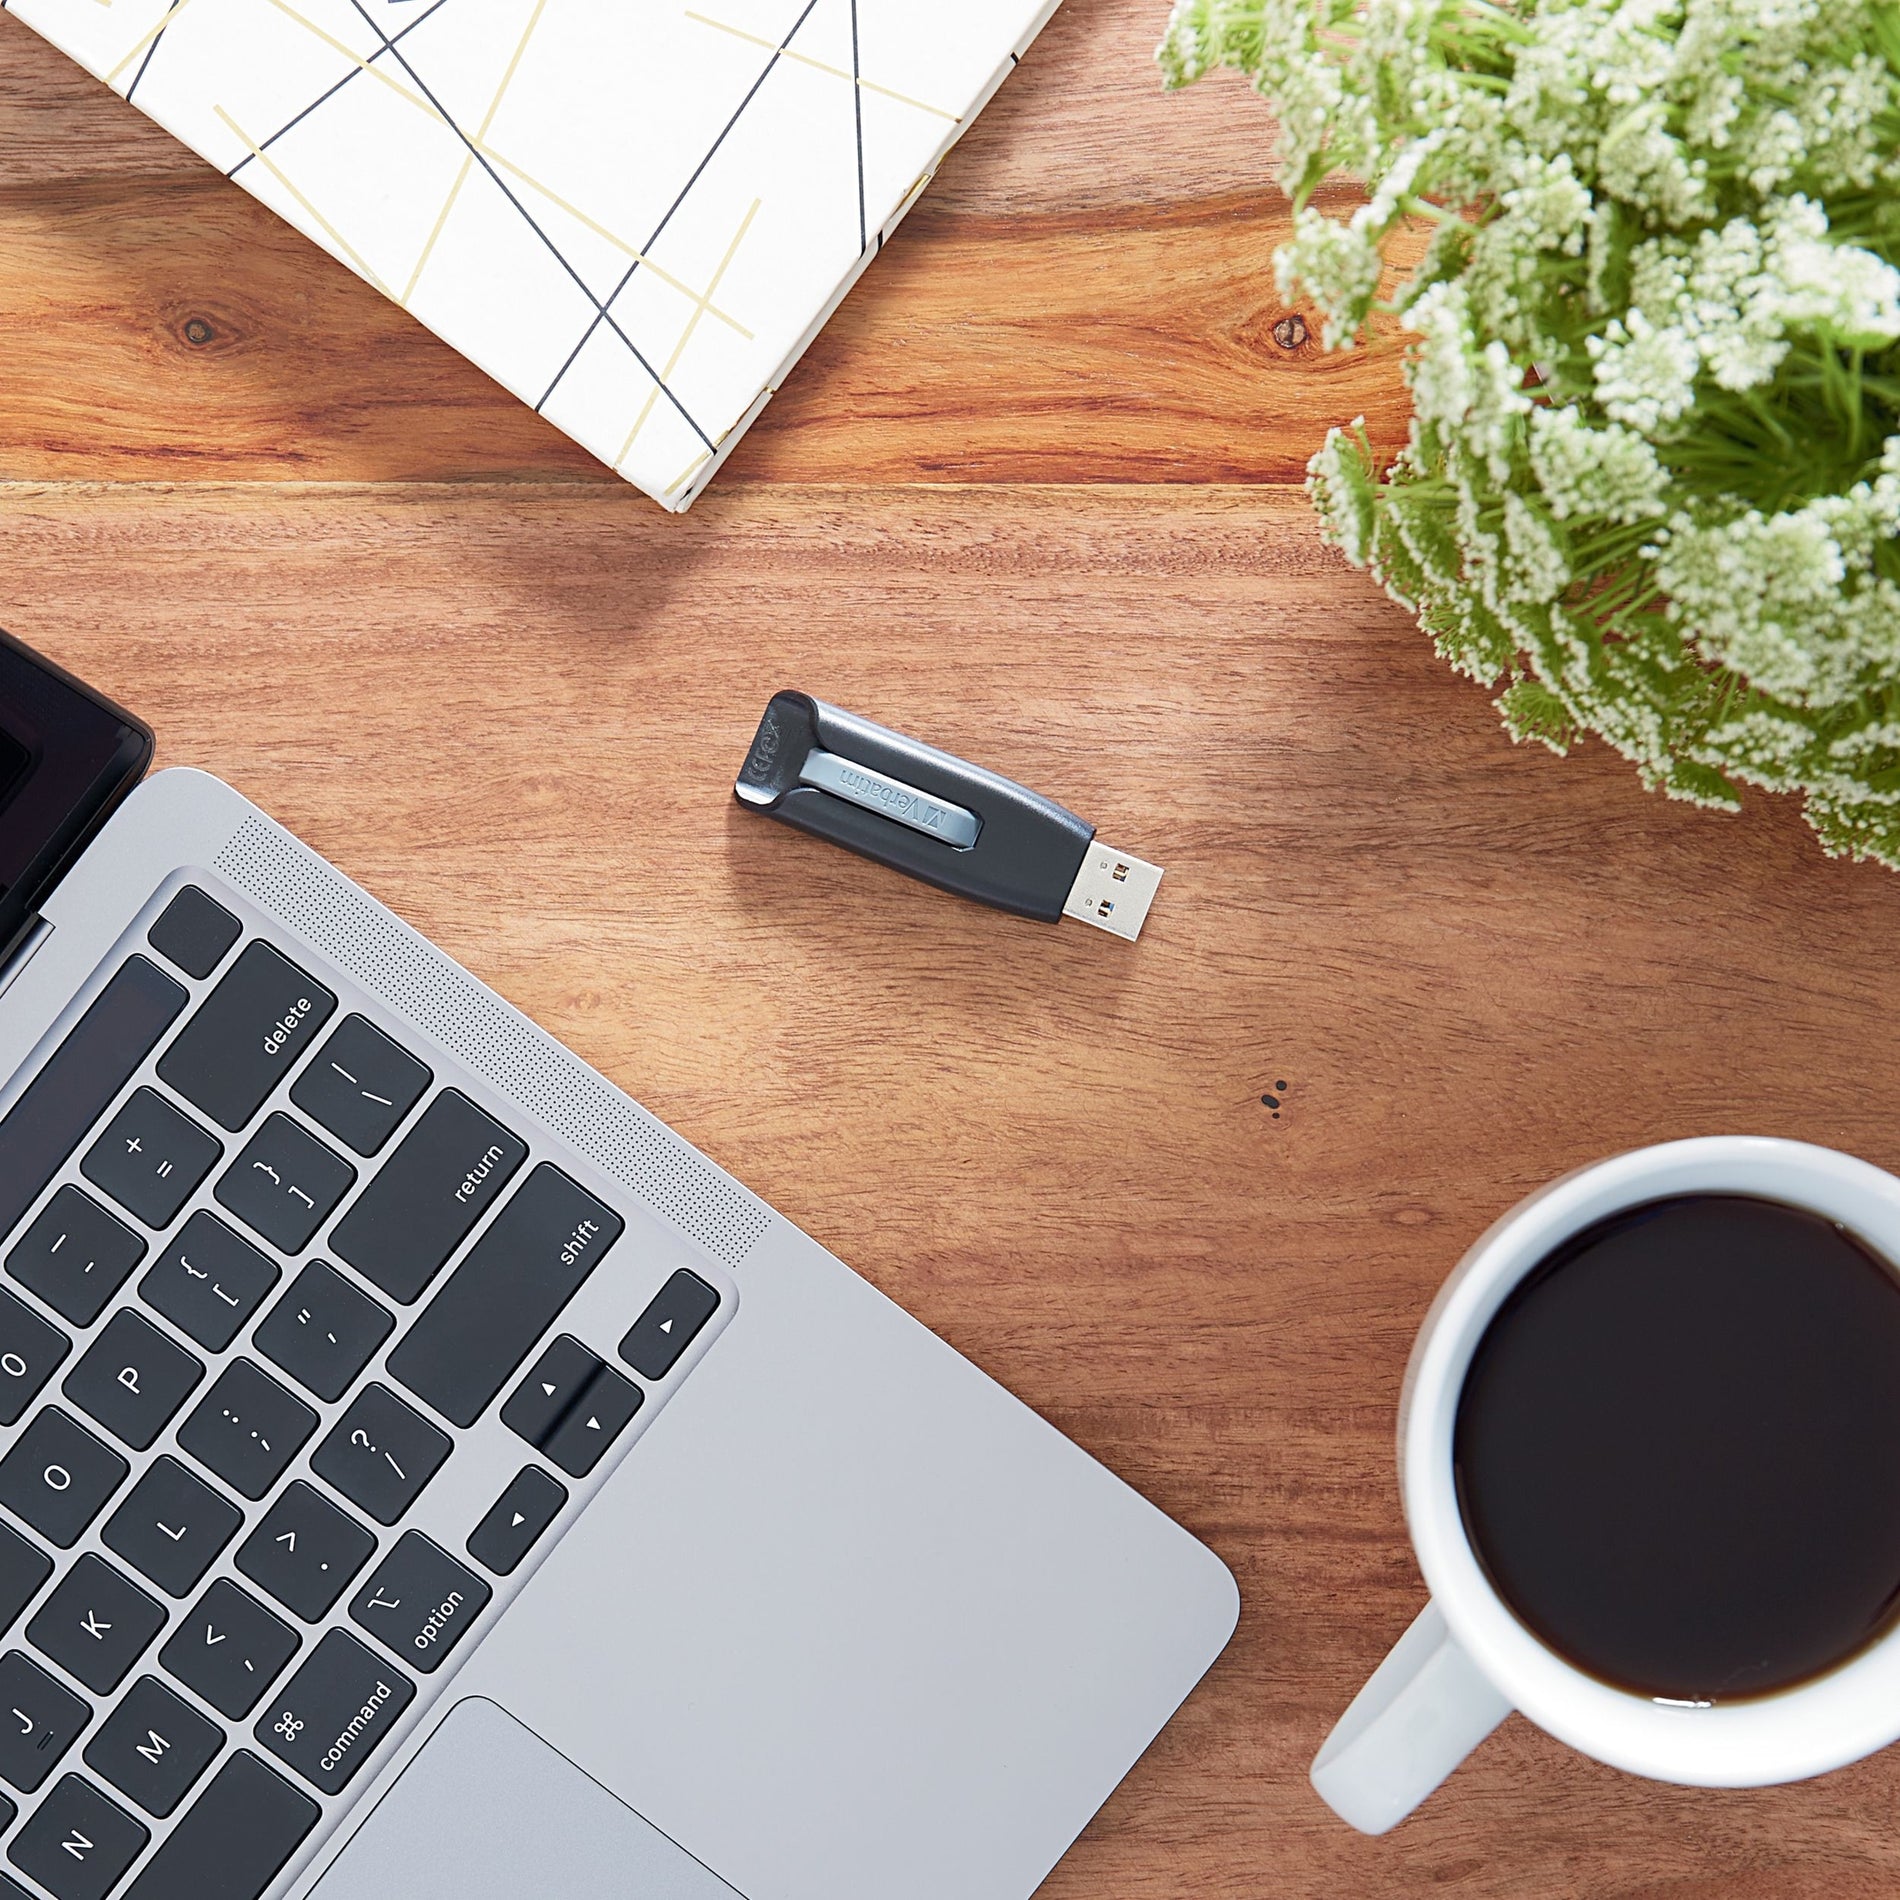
point(96, 1624)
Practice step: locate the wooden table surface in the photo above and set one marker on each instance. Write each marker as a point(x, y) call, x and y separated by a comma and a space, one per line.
point(1030, 496)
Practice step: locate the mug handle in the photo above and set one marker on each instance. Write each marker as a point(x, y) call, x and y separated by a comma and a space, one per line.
point(1425, 1709)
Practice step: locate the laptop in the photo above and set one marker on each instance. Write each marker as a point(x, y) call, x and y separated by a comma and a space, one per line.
point(424, 1476)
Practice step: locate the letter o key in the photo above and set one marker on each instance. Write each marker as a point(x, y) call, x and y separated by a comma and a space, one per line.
point(13, 1365)
point(58, 1478)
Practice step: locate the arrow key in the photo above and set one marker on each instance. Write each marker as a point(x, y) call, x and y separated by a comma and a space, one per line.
point(522, 1512)
point(305, 1551)
point(542, 1399)
point(606, 1405)
point(676, 1318)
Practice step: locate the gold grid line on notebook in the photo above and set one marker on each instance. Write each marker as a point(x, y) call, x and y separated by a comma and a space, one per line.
point(686, 335)
point(822, 66)
point(480, 144)
point(335, 236)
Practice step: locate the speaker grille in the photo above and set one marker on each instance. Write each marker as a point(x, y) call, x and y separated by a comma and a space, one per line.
point(415, 978)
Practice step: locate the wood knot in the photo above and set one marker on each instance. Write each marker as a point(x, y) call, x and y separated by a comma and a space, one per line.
point(1290, 332)
point(199, 331)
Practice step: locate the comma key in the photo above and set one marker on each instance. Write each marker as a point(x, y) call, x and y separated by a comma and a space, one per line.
point(229, 1650)
point(328, 1719)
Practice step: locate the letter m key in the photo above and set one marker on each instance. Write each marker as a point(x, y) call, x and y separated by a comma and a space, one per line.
point(154, 1746)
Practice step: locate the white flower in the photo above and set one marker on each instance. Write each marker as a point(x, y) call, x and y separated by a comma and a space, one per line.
point(1542, 568)
point(1644, 163)
point(1606, 470)
point(1339, 267)
point(1767, 595)
point(1340, 483)
point(1548, 206)
point(1440, 372)
point(1645, 373)
point(1652, 480)
point(1475, 393)
point(1839, 287)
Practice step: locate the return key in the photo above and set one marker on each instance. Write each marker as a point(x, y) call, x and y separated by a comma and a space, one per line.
point(429, 1194)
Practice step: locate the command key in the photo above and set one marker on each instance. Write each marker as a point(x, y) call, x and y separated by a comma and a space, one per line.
point(328, 1720)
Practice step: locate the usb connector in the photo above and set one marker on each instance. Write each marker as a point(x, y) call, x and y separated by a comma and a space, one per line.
point(938, 818)
point(1113, 891)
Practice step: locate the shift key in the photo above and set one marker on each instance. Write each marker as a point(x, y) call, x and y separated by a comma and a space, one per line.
point(430, 1193)
point(512, 1287)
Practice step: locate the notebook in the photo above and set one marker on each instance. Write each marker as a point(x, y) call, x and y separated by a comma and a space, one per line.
point(634, 214)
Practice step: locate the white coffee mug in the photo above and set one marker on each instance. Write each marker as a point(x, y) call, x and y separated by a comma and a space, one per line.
point(1467, 1661)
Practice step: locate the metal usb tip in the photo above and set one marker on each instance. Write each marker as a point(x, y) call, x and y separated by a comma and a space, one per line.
point(1113, 891)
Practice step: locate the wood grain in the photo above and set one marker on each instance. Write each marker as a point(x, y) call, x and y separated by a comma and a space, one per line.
point(332, 564)
point(1472, 967)
point(161, 323)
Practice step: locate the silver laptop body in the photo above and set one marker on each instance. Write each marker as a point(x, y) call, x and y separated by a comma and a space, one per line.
point(832, 1617)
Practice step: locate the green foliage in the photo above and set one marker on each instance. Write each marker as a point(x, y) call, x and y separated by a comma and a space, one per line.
point(1652, 486)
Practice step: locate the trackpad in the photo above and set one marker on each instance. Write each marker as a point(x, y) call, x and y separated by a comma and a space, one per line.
point(488, 1811)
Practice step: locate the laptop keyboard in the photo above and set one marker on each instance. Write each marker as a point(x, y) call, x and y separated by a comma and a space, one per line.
point(242, 1410)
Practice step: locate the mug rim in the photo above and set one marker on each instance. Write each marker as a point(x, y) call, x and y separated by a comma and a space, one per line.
point(1848, 1711)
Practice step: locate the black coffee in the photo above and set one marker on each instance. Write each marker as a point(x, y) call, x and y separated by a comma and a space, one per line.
point(1678, 1448)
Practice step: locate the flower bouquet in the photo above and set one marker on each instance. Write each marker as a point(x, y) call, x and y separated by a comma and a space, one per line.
point(1652, 484)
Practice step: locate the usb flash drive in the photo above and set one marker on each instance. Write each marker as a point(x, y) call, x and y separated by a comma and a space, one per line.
point(938, 818)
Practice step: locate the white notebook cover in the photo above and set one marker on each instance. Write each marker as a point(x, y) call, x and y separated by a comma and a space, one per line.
point(634, 214)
